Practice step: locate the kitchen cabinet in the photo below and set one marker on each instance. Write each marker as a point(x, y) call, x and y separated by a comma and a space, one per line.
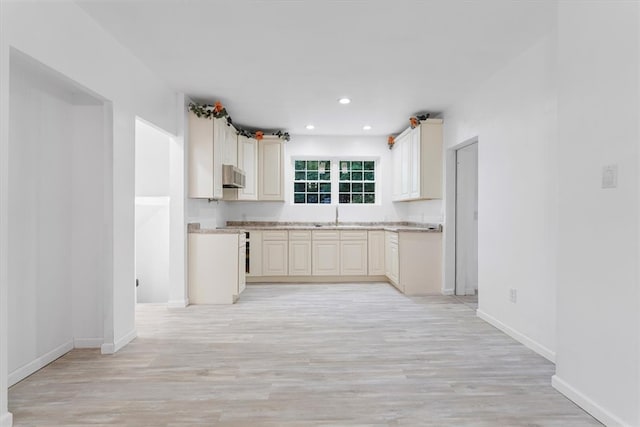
point(417, 162)
point(216, 267)
point(230, 146)
point(248, 162)
point(375, 249)
point(242, 265)
point(206, 138)
point(274, 253)
point(353, 253)
point(300, 253)
point(326, 252)
point(271, 169)
point(392, 255)
point(255, 253)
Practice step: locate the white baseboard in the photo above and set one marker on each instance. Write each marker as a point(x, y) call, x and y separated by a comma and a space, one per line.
point(528, 342)
point(597, 411)
point(39, 363)
point(88, 342)
point(110, 348)
point(178, 303)
point(6, 420)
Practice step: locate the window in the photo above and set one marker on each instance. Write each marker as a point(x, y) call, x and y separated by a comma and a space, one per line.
point(312, 181)
point(357, 182)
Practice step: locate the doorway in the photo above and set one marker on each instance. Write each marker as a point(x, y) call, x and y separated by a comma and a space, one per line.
point(466, 220)
point(152, 213)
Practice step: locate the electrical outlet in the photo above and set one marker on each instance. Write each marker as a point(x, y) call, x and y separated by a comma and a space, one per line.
point(513, 295)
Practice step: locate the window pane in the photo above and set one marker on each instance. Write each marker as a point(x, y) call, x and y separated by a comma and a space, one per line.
point(369, 166)
point(356, 198)
point(356, 176)
point(325, 198)
point(312, 165)
point(324, 176)
point(358, 183)
point(356, 166)
point(298, 198)
point(369, 198)
point(345, 176)
point(301, 176)
point(300, 165)
point(312, 176)
point(309, 183)
point(312, 198)
point(345, 198)
point(369, 187)
point(325, 188)
point(356, 187)
point(369, 176)
point(345, 187)
point(299, 187)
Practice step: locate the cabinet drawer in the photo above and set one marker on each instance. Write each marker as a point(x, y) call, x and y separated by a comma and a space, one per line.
point(353, 235)
point(274, 235)
point(300, 235)
point(326, 235)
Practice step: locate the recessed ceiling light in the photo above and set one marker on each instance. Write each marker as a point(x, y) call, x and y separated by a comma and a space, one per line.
point(344, 100)
point(366, 127)
point(310, 127)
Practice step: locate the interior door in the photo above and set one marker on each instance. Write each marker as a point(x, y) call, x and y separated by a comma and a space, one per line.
point(467, 220)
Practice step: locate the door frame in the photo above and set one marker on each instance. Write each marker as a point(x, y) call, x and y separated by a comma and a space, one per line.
point(449, 286)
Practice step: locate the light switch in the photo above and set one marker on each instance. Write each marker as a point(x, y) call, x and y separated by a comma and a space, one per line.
point(610, 176)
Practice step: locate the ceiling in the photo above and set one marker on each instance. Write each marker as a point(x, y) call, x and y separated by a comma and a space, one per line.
point(283, 64)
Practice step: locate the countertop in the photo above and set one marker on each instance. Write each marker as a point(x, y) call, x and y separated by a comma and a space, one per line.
point(387, 226)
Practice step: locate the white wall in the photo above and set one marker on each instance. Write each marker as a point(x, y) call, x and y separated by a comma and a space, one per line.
point(331, 147)
point(598, 362)
point(152, 214)
point(513, 115)
point(49, 32)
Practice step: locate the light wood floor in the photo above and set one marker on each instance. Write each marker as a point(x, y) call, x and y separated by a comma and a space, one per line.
point(303, 355)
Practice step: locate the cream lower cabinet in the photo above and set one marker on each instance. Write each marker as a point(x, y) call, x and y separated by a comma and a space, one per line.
point(391, 254)
point(216, 267)
point(300, 253)
point(376, 252)
point(353, 253)
point(275, 253)
point(255, 253)
point(326, 253)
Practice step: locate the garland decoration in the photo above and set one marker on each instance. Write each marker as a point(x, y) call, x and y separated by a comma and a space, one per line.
point(391, 140)
point(218, 111)
point(413, 122)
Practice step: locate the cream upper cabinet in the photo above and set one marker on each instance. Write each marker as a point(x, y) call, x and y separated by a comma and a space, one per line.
point(274, 253)
point(206, 138)
point(417, 162)
point(248, 162)
point(230, 146)
point(271, 169)
point(326, 253)
point(376, 253)
point(300, 253)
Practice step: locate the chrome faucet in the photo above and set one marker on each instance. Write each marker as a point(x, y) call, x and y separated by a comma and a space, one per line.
point(337, 215)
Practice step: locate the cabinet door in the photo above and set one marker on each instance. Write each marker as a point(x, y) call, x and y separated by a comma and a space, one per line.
point(326, 258)
point(200, 157)
point(396, 170)
point(219, 126)
point(299, 257)
point(270, 169)
point(274, 258)
point(414, 160)
point(394, 270)
point(255, 253)
point(248, 162)
point(405, 172)
point(353, 257)
point(376, 253)
point(230, 146)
